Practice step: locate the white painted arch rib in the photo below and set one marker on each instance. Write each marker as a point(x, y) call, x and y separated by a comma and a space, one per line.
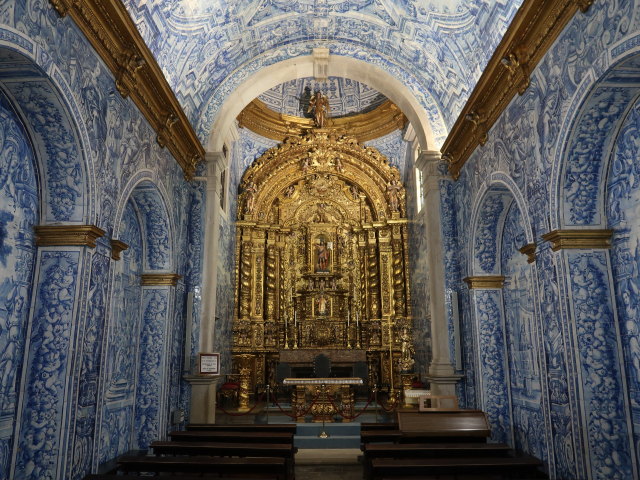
point(339, 66)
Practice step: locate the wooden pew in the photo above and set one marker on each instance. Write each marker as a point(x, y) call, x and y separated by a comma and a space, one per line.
point(368, 426)
point(431, 450)
point(264, 450)
point(519, 467)
point(434, 426)
point(471, 424)
point(377, 436)
point(244, 427)
point(243, 437)
point(268, 468)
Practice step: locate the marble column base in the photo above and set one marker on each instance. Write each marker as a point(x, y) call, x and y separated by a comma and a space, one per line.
point(443, 384)
point(203, 398)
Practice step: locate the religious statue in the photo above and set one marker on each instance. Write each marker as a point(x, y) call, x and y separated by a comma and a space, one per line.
point(319, 103)
point(322, 255)
point(304, 165)
point(321, 305)
point(250, 190)
point(393, 193)
point(355, 192)
point(406, 351)
point(339, 166)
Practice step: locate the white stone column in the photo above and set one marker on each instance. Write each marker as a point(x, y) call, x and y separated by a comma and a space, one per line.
point(203, 398)
point(216, 163)
point(441, 372)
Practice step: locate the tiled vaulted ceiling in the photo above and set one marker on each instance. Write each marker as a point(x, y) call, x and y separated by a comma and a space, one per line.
point(437, 48)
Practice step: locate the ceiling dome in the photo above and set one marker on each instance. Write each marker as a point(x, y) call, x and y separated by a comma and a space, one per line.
point(346, 97)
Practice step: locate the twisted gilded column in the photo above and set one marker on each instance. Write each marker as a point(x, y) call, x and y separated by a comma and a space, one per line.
point(373, 281)
point(245, 280)
point(270, 309)
point(399, 298)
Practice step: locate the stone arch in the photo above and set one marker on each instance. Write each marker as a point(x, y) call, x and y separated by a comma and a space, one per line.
point(583, 150)
point(46, 167)
point(54, 121)
point(151, 200)
point(500, 186)
point(301, 67)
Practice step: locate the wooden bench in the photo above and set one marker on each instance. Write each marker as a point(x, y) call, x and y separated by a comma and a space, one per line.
point(286, 451)
point(524, 467)
point(377, 436)
point(234, 437)
point(242, 427)
point(272, 468)
point(368, 426)
point(430, 450)
point(471, 424)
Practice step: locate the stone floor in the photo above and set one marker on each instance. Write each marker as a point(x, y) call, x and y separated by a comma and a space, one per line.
point(329, 472)
point(328, 464)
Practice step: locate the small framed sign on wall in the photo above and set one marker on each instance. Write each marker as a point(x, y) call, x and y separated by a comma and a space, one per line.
point(209, 364)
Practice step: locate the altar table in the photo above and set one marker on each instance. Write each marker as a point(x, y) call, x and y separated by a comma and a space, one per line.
point(323, 398)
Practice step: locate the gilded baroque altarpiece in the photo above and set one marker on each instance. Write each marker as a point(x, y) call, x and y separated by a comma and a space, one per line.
point(321, 257)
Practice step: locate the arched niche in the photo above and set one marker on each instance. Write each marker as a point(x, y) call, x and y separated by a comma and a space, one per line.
point(594, 188)
point(45, 178)
point(151, 202)
point(19, 212)
point(583, 153)
point(54, 123)
point(134, 373)
point(508, 346)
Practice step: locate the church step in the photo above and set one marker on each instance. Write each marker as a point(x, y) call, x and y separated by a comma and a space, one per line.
point(332, 441)
point(314, 429)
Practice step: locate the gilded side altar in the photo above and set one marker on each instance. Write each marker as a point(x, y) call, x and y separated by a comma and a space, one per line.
point(321, 257)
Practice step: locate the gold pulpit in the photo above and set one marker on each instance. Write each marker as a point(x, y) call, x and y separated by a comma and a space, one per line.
point(323, 398)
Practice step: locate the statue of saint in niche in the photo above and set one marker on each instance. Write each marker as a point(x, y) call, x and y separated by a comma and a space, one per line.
point(323, 255)
point(319, 104)
point(322, 305)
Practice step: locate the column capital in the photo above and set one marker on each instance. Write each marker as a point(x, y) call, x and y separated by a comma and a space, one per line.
point(586, 239)
point(485, 282)
point(428, 161)
point(159, 279)
point(216, 163)
point(433, 169)
point(67, 235)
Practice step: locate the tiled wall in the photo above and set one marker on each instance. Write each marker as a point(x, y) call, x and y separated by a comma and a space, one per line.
point(560, 377)
point(98, 349)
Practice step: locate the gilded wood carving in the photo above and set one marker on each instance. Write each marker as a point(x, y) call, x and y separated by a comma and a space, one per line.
point(321, 262)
